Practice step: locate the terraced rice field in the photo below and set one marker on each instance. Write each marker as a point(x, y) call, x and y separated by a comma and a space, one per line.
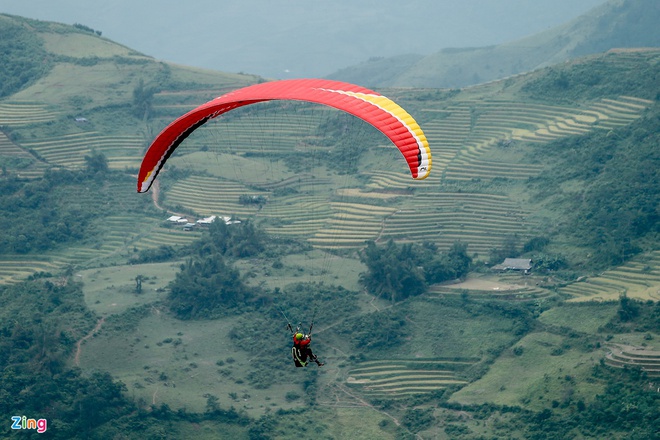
point(70, 150)
point(393, 180)
point(300, 215)
point(161, 236)
point(335, 225)
point(463, 137)
point(350, 225)
point(15, 268)
point(465, 168)
point(469, 129)
point(15, 114)
point(604, 114)
point(324, 224)
point(212, 196)
point(460, 134)
point(402, 377)
point(647, 360)
point(121, 237)
point(262, 133)
point(639, 278)
point(483, 221)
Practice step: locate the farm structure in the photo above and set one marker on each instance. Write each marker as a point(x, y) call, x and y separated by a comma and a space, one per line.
point(523, 265)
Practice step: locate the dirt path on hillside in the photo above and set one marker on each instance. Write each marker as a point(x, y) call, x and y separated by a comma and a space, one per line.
point(155, 195)
point(363, 403)
point(84, 338)
point(382, 226)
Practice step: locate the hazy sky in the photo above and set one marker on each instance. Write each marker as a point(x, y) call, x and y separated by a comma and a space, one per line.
point(296, 38)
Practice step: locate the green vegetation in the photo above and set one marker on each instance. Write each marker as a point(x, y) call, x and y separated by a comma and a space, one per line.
point(603, 76)
point(43, 217)
point(207, 288)
point(612, 200)
point(119, 324)
point(399, 272)
point(22, 56)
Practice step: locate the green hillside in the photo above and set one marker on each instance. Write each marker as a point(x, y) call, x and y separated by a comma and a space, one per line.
point(616, 24)
point(117, 323)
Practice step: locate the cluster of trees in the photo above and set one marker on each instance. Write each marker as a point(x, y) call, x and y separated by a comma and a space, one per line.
point(634, 315)
point(39, 215)
point(240, 240)
point(156, 255)
point(376, 331)
point(208, 285)
point(400, 271)
point(39, 323)
point(246, 199)
point(34, 219)
point(75, 405)
point(84, 28)
point(22, 57)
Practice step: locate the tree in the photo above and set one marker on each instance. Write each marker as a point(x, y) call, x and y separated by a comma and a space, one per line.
point(207, 287)
point(237, 240)
point(628, 308)
point(392, 271)
point(96, 163)
point(398, 272)
point(143, 98)
point(138, 284)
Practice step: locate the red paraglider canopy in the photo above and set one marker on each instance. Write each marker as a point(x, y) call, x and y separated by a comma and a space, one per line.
point(379, 111)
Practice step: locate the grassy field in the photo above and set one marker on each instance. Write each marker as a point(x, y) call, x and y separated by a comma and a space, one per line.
point(587, 318)
point(537, 376)
point(112, 290)
point(165, 360)
point(312, 266)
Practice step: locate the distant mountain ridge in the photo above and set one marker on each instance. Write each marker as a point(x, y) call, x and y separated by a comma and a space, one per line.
point(616, 24)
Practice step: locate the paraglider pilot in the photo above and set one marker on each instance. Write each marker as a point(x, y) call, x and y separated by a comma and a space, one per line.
point(302, 350)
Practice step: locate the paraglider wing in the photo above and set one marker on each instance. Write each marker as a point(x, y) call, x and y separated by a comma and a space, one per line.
point(379, 111)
